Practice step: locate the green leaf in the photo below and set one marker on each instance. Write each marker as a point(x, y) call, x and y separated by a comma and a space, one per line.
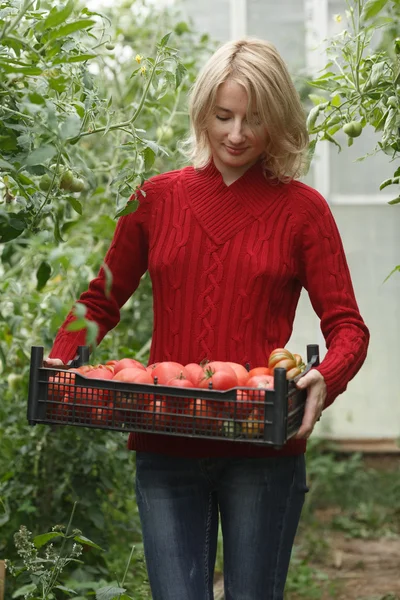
point(56, 17)
point(372, 8)
point(5, 165)
point(109, 593)
point(71, 28)
point(24, 590)
point(74, 58)
point(43, 275)
point(388, 182)
point(76, 325)
point(393, 270)
point(313, 115)
point(71, 127)
point(165, 39)
point(57, 232)
point(130, 207)
point(80, 310)
point(40, 155)
point(81, 538)
point(315, 99)
point(76, 205)
point(149, 158)
point(180, 73)
point(109, 279)
point(41, 540)
point(395, 201)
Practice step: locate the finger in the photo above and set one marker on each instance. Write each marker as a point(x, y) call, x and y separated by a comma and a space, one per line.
point(309, 419)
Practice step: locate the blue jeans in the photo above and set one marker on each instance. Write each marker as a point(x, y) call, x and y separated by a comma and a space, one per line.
point(259, 501)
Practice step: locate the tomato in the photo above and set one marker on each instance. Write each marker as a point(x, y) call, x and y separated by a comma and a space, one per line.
point(242, 373)
point(292, 373)
point(285, 363)
point(242, 407)
point(298, 359)
point(194, 372)
point(77, 185)
point(254, 426)
point(66, 180)
point(205, 418)
point(155, 416)
point(166, 370)
point(45, 182)
point(353, 129)
point(60, 383)
point(259, 382)
point(260, 371)
point(277, 355)
point(125, 363)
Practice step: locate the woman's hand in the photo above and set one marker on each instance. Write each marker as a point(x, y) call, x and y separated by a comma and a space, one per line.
point(53, 362)
point(315, 384)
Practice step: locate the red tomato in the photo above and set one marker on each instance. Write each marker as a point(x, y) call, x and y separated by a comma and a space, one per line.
point(265, 382)
point(60, 384)
point(242, 407)
point(133, 375)
point(260, 371)
point(156, 416)
point(194, 372)
point(166, 370)
point(204, 417)
point(221, 379)
point(242, 373)
point(127, 363)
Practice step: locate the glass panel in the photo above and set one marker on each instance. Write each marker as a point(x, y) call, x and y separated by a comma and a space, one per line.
point(209, 17)
point(282, 24)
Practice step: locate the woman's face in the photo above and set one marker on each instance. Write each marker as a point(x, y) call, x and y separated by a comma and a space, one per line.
point(235, 144)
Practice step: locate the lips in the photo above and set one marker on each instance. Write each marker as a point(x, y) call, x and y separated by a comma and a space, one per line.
point(235, 151)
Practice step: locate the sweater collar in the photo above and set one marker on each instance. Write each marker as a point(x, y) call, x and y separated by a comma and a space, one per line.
point(224, 210)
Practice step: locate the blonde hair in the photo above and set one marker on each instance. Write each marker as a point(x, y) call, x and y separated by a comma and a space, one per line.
point(257, 65)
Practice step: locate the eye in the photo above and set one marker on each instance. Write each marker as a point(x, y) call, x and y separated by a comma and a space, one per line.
point(222, 118)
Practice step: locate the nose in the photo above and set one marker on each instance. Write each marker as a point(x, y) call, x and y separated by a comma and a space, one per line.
point(236, 134)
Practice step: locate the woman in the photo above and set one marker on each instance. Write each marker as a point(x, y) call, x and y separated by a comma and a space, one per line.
point(229, 243)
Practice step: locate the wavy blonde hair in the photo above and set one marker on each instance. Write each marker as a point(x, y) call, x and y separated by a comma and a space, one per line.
point(257, 65)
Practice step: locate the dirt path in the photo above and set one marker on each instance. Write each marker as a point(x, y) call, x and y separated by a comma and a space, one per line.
point(363, 569)
point(356, 569)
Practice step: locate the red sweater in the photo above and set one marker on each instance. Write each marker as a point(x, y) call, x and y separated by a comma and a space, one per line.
point(227, 265)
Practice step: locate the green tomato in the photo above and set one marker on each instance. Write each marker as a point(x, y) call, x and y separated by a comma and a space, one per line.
point(77, 185)
point(110, 46)
point(353, 129)
point(165, 132)
point(392, 101)
point(45, 182)
point(66, 180)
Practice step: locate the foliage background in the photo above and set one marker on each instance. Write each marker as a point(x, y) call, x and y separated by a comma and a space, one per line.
point(66, 71)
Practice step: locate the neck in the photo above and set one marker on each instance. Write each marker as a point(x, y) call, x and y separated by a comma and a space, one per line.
point(231, 174)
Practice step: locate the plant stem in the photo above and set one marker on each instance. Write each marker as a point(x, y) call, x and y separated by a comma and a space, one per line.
point(128, 565)
point(17, 19)
point(133, 117)
point(57, 566)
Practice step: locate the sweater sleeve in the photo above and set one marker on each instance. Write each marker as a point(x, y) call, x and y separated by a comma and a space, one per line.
point(126, 260)
point(325, 275)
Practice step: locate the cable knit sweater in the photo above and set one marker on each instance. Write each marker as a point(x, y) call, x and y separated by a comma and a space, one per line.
point(227, 265)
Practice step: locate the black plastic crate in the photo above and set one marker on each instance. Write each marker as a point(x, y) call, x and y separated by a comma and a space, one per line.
point(242, 414)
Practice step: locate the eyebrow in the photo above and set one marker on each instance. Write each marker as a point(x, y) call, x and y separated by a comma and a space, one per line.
point(229, 111)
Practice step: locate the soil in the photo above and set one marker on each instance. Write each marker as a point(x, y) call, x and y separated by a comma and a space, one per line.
point(356, 569)
point(362, 569)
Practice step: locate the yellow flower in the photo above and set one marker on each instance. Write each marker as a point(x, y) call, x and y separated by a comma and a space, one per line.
point(337, 18)
point(138, 58)
point(143, 70)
